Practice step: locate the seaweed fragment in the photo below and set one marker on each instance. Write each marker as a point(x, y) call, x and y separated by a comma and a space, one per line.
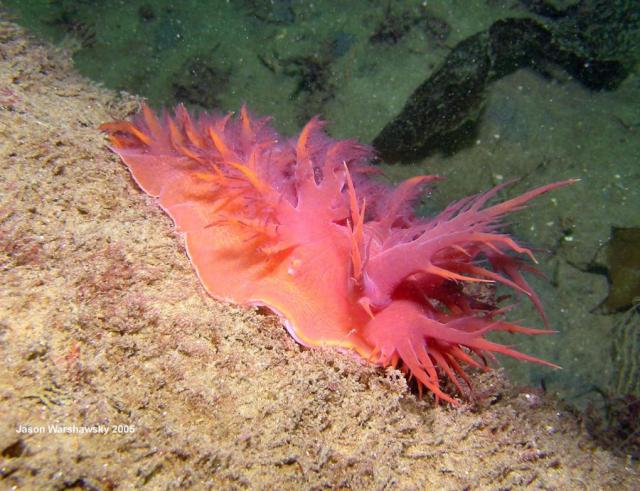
point(626, 354)
point(445, 108)
point(617, 424)
point(623, 269)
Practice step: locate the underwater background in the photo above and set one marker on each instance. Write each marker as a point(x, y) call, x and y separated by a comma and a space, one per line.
point(476, 91)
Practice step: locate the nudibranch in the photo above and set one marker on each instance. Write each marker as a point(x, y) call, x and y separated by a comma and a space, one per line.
point(304, 227)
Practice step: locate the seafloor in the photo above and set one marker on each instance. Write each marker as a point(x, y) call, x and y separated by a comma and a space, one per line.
point(102, 321)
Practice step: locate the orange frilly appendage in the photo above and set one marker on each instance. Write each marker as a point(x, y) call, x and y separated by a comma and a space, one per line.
point(301, 227)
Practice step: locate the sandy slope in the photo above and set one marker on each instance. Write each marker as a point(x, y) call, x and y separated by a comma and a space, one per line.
point(102, 322)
